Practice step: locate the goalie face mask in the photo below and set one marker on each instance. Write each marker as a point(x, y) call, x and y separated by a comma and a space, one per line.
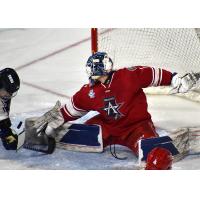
point(9, 83)
point(99, 64)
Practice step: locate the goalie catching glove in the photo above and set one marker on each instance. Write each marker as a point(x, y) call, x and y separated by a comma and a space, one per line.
point(182, 84)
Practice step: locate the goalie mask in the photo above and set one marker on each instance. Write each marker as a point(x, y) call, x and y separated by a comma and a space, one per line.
point(99, 64)
point(9, 83)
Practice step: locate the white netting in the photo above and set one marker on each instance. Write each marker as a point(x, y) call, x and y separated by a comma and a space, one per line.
point(175, 49)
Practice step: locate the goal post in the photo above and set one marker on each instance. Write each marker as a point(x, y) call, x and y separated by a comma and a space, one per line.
point(174, 49)
point(94, 40)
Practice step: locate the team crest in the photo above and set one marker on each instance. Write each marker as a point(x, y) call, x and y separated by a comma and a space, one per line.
point(91, 94)
point(112, 108)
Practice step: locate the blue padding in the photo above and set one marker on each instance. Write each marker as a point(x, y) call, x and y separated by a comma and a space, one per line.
point(156, 140)
point(166, 142)
point(81, 134)
point(82, 127)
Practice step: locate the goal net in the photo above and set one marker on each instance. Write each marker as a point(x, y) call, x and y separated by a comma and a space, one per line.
point(175, 49)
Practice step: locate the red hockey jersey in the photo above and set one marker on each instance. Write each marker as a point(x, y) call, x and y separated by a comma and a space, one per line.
point(121, 102)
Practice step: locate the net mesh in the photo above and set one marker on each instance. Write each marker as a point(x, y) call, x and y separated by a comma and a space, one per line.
point(175, 49)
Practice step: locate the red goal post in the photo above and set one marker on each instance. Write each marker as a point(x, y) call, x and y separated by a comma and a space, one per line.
point(95, 36)
point(94, 40)
point(175, 49)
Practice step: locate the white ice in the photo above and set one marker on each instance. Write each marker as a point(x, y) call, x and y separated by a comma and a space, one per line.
point(58, 75)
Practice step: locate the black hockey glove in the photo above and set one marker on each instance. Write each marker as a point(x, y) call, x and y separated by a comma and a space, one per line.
point(9, 139)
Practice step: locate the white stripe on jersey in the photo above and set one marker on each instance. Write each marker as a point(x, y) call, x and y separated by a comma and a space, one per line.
point(78, 109)
point(156, 76)
point(161, 73)
point(73, 111)
point(156, 79)
point(66, 111)
point(153, 76)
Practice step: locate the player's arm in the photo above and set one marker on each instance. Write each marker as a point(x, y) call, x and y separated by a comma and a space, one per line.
point(9, 139)
point(150, 76)
point(75, 107)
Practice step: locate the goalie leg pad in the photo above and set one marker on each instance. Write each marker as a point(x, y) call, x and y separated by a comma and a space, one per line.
point(146, 145)
point(81, 137)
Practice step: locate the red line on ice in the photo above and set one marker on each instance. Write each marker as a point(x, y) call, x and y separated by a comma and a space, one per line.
point(45, 89)
point(58, 51)
point(50, 55)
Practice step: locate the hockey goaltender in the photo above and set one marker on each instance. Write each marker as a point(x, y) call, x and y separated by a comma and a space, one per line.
point(123, 116)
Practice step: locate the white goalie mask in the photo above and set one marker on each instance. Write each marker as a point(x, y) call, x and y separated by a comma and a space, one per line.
point(99, 64)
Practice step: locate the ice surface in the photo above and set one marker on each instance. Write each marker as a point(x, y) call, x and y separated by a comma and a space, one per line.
point(58, 76)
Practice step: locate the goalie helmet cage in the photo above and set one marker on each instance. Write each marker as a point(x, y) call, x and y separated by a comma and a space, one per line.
point(174, 49)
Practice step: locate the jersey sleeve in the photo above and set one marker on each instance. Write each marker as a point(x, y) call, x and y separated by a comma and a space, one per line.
point(151, 76)
point(76, 106)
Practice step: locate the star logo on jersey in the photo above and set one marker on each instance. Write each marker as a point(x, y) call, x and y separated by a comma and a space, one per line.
point(112, 108)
